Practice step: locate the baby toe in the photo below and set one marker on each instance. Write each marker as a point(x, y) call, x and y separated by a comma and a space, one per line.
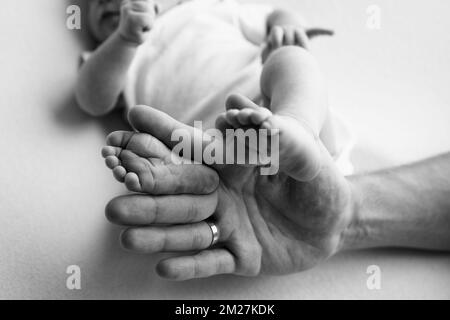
point(132, 182)
point(231, 117)
point(119, 138)
point(239, 102)
point(271, 125)
point(259, 116)
point(112, 162)
point(244, 116)
point(222, 124)
point(119, 173)
point(142, 167)
point(111, 151)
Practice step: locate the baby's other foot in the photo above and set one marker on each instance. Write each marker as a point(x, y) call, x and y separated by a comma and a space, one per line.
point(300, 154)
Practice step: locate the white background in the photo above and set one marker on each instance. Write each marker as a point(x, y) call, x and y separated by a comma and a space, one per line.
point(391, 85)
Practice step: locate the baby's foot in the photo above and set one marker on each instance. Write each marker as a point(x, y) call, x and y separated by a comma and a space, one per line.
point(299, 148)
point(133, 158)
point(146, 165)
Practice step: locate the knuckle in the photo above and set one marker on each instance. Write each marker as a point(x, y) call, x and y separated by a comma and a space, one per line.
point(191, 213)
point(198, 241)
point(161, 242)
point(196, 269)
point(153, 210)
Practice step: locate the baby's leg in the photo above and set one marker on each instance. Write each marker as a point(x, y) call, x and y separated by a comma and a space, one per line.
point(292, 84)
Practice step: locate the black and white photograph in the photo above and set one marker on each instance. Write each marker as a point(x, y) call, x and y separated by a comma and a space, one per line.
point(225, 150)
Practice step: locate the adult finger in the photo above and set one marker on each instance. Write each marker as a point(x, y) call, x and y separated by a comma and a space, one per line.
point(144, 210)
point(168, 130)
point(177, 238)
point(202, 265)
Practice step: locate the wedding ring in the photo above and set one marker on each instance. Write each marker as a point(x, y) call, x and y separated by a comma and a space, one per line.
point(214, 233)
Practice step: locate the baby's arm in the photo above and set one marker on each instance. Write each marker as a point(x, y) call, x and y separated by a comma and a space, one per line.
point(102, 78)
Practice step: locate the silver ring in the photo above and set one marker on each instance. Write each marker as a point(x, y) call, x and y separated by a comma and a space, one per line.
point(214, 231)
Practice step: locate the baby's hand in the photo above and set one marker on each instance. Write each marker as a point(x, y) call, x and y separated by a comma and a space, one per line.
point(291, 35)
point(136, 19)
point(282, 36)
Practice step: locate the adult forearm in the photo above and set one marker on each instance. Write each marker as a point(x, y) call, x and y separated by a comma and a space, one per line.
point(404, 207)
point(102, 78)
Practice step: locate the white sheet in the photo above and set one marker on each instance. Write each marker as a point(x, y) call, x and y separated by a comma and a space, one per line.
point(391, 85)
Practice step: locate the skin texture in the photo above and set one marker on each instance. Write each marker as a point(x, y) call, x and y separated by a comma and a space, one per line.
point(408, 207)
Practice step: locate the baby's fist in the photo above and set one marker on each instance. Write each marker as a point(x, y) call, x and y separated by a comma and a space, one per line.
point(136, 19)
point(281, 36)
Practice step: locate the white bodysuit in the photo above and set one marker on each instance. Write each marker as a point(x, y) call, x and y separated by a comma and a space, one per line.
point(196, 55)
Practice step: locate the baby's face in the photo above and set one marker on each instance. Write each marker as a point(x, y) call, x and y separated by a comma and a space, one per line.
point(104, 15)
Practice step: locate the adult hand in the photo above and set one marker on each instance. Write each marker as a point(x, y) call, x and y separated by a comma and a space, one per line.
point(268, 224)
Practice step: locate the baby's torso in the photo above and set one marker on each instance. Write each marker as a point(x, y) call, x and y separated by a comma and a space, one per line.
point(194, 58)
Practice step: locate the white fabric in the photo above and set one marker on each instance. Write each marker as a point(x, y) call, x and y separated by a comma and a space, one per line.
point(196, 55)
